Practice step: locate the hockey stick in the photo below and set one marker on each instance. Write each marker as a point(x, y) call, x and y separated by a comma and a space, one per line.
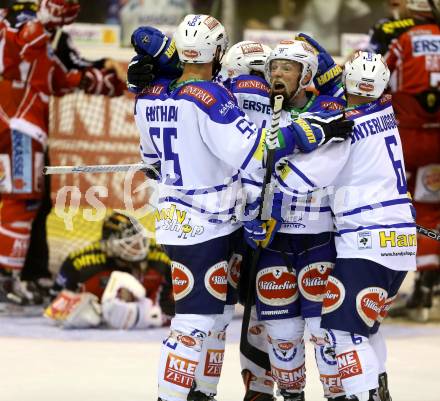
point(435, 235)
point(99, 168)
point(252, 353)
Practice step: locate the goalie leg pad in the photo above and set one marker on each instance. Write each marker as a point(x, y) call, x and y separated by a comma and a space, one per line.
point(181, 353)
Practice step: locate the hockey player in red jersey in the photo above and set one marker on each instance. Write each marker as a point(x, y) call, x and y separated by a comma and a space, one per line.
point(31, 72)
point(415, 57)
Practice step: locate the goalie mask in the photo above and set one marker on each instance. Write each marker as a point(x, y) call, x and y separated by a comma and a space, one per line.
point(201, 39)
point(366, 74)
point(246, 57)
point(124, 237)
point(56, 13)
point(292, 51)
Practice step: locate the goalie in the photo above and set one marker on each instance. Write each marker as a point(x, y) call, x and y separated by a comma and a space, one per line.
point(129, 274)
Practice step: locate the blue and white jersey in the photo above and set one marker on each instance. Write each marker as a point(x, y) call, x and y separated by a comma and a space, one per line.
point(308, 213)
point(202, 139)
point(366, 183)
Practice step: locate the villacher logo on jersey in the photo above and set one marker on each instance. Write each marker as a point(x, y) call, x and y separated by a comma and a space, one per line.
point(312, 280)
point(334, 295)
point(183, 280)
point(276, 286)
point(216, 280)
point(369, 304)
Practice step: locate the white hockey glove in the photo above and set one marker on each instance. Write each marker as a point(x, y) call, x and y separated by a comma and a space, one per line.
point(123, 286)
point(76, 311)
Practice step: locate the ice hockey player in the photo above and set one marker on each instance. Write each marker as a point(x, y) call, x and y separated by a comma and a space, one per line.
point(302, 253)
point(413, 58)
point(197, 194)
point(387, 29)
point(375, 229)
point(28, 45)
point(129, 274)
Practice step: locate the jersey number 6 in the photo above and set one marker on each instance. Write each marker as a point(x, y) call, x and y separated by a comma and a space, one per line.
point(397, 165)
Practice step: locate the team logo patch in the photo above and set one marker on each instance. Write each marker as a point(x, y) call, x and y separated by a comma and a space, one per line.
point(276, 286)
point(369, 304)
point(216, 280)
point(294, 379)
point(386, 307)
point(214, 362)
point(349, 365)
point(234, 270)
point(364, 240)
point(312, 280)
point(366, 87)
point(332, 385)
point(334, 295)
point(180, 371)
point(183, 280)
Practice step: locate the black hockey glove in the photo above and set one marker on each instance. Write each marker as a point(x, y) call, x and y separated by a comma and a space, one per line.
point(140, 73)
point(334, 126)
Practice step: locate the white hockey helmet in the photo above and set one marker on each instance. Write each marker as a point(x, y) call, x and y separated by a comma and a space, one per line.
point(245, 57)
point(420, 5)
point(124, 237)
point(295, 50)
point(200, 38)
point(366, 74)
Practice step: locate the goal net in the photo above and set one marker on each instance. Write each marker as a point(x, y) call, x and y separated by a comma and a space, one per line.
point(86, 129)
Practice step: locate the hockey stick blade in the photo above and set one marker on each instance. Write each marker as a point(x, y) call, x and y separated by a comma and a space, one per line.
point(435, 235)
point(100, 168)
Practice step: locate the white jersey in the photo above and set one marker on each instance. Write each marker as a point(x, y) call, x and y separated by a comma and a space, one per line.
point(367, 188)
point(201, 139)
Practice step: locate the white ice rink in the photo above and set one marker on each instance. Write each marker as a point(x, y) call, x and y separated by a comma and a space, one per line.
point(43, 363)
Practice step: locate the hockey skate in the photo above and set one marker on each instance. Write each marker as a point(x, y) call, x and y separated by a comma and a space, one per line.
point(199, 396)
point(292, 396)
point(258, 396)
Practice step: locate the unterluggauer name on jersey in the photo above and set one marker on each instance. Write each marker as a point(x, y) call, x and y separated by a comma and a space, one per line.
point(373, 126)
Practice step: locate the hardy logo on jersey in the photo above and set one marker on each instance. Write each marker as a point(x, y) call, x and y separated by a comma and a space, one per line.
point(423, 45)
point(180, 371)
point(214, 362)
point(290, 379)
point(386, 307)
point(216, 280)
point(364, 240)
point(349, 364)
point(390, 238)
point(313, 279)
point(276, 286)
point(334, 295)
point(234, 270)
point(332, 384)
point(369, 304)
point(183, 280)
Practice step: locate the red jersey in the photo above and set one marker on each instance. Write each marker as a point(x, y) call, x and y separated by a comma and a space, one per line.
point(415, 56)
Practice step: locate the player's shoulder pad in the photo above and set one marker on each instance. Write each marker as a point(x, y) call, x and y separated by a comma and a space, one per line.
point(213, 98)
point(394, 27)
point(94, 247)
point(324, 102)
point(158, 89)
point(252, 84)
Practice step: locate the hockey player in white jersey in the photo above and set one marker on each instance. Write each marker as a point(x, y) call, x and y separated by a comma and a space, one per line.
point(376, 236)
point(193, 128)
point(302, 254)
